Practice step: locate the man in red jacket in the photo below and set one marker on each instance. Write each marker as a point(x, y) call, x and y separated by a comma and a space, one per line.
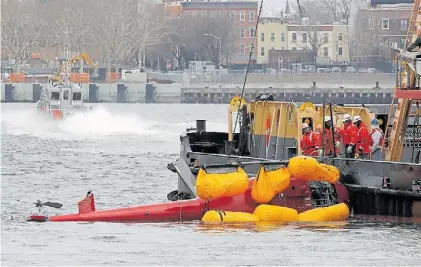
point(349, 136)
point(364, 140)
point(309, 142)
point(329, 144)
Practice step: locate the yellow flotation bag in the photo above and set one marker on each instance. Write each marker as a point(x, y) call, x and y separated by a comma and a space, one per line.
point(269, 183)
point(280, 179)
point(307, 168)
point(338, 212)
point(270, 213)
point(228, 216)
point(327, 173)
point(221, 184)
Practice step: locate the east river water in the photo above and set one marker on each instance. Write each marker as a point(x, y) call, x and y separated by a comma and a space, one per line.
point(120, 152)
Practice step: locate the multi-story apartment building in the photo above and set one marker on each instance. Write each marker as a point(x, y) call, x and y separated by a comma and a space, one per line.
point(243, 14)
point(379, 30)
point(272, 35)
point(331, 42)
point(326, 41)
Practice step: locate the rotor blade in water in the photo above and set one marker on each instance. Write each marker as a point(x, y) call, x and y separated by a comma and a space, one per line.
point(52, 204)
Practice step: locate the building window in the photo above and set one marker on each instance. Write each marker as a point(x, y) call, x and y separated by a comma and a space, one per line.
point(242, 48)
point(242, 33)
point(385, 24)
point(242, 16)
point(262, 36)
point(251, 30)
point(262, 51)
point(402, 43)
point(272, 37)
point(340, 36)
point(304, 37)
point(232, 16)
point(294, 48)
point(282, 37)
point(340, 51)
point(294, 37)
point(282, 48)
point(325, 37)
point(252, 17)
point(325, 52)
point(404, 24)
point(371, 23)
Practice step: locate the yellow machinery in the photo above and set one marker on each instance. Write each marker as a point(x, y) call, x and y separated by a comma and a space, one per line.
point(64, 71)
point(407, 92)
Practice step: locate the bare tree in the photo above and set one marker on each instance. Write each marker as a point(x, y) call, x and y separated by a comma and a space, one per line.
point(345, 9)
point(20, 31)
point(332, 7)
point(328, 11)
point(367, 40)
point(316, 12)
point(311, 37)
point(194, 36)
point(115, 27)
point(152, 26)
point(74, 26)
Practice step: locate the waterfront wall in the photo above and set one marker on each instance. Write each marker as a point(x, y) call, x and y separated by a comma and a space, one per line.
point(375, 93)
point(286, 80)
point(105, 92)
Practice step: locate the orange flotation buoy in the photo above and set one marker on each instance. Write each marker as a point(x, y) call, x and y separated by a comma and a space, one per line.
point(57, 114)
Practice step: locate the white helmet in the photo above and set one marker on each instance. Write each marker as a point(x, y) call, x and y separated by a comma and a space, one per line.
point(346, 117)
point(304, 125)
point(327, 118)
point(356, 118)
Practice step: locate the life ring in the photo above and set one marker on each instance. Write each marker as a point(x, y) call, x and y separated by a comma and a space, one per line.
point(306, 105)
point(234, 101)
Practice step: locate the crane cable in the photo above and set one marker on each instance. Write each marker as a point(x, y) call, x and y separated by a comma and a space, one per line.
point(245, 78)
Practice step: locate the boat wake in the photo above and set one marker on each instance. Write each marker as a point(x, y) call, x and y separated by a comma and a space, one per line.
point(97, 123)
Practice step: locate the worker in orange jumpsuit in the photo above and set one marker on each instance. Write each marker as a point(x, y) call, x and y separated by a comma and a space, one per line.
point(349, 135)
point(309, 142)
point(364, 140)
point(327, 143)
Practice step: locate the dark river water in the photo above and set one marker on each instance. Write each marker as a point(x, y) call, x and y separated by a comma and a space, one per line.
point(121, 152)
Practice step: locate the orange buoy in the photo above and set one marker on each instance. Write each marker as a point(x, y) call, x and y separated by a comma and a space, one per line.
point(57, 114)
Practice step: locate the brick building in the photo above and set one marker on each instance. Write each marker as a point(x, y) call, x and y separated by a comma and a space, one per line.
point(242, 13)
point(379, 31)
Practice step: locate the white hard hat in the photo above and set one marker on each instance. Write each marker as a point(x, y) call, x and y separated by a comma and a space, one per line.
point(327, 118)
point(346, 117)
point(305, 125)
point(357, 118)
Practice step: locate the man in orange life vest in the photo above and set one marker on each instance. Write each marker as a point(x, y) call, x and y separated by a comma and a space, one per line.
point(364, 140)
point(349, 136)
point(309, 142)
point(328, 144)
point(378, 138)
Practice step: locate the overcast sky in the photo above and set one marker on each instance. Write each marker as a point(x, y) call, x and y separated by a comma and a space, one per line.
point(275, 5)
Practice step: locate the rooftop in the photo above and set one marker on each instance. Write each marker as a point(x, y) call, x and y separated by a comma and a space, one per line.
point(220, 5)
